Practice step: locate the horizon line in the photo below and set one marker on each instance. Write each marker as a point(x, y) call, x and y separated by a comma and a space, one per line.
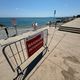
point(33, 17)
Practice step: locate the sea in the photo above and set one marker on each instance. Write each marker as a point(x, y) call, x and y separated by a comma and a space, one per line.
point(23, 24)
point(27, 21)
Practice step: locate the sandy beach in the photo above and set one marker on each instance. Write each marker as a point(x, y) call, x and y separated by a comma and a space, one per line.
point(12, 32)
point(61, 62)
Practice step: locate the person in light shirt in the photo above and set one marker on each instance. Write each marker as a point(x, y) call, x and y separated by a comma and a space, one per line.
point(35, 25)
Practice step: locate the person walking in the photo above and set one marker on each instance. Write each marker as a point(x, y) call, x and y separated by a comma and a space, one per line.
point(36, 25)
point(55, 24)
point(49, 23)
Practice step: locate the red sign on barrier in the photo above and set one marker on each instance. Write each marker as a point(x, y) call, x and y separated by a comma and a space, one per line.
point(34, 44)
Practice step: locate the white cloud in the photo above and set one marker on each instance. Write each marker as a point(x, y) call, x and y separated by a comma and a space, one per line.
point(17, 8)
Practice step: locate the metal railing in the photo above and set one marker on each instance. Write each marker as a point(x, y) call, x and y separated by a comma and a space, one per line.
point(16, 55)
point(7, 32)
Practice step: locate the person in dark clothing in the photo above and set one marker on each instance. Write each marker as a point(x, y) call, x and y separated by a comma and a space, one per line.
point(55, 24)
point(50, 23)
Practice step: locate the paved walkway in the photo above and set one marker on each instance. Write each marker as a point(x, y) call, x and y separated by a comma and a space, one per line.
point(63, 58)
point(62, 62)
point(74, 23)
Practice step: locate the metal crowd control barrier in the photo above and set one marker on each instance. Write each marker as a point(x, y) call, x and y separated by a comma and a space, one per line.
point(7, 32)
point(16, 55)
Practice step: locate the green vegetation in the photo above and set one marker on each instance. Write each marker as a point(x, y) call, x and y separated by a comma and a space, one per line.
point(1, 25)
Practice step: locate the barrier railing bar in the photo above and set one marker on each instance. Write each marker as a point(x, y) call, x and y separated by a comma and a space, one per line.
point(31, 66)
point(25, 46)
point(47, 38)
point(13, 55)
point(22, 51)
point(13, 42)
point(18, 52)
point(8, 59)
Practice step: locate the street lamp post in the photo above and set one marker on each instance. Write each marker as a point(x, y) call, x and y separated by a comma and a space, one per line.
point(54, 17)
point(54, 13)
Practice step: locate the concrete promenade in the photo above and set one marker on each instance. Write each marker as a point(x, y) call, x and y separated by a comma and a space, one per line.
point(61, 62)
point(63, 59)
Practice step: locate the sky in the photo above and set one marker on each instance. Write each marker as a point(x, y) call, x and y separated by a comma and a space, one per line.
point(39, 8)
